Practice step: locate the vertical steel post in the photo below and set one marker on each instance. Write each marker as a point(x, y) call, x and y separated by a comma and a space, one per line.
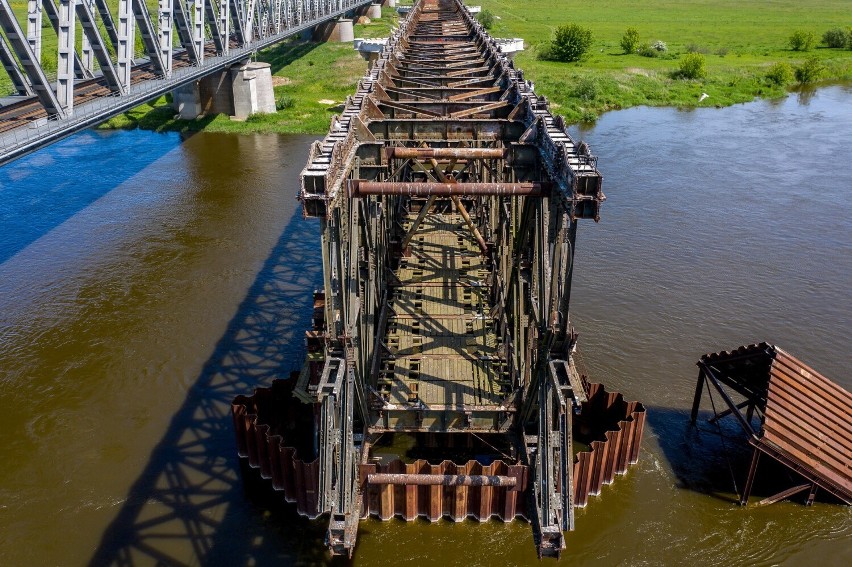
point(752, 471)
point(126, 41)
point(34, 18)
point(87, 58)
point(249, 21)
point(225, 25)
point(166, 24)
point(198, 28)
point(65, 56)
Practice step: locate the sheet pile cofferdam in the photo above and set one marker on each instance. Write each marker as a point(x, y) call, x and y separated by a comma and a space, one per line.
point(441, 379)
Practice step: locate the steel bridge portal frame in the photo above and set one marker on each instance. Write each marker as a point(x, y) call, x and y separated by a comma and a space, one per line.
point(444, 121)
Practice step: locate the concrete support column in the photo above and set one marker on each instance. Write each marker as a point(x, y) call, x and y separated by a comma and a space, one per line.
point(252, 89)
point(186, 100)
point(375, 11)
point(341, 30)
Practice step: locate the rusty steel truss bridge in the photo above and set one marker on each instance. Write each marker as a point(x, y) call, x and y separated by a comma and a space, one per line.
point(449, 198)
point(103, 73)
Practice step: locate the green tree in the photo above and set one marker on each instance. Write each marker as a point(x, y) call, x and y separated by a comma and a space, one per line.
point(570, 43)
point(630, 40)
point(692, 66)
point(835, 38)
point(780, 74)
point(486, 18)
point(810, 70)
point(801, 41)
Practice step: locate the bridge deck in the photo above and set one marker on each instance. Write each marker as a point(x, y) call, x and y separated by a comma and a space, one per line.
point(443, 351)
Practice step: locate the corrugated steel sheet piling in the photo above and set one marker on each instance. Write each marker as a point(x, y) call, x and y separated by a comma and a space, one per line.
point(448, 197)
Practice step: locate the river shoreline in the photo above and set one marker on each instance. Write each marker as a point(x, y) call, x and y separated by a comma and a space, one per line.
point(312, 80)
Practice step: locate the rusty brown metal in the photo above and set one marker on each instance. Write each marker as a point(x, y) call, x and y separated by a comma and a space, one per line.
point(621, 424)
point(434, 501)
point(806, 423)
point(361, 188)
point(444, 153)
point(441, 479)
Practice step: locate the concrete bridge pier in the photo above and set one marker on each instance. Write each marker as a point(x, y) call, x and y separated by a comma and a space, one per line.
point(374, 12)
point(239, 91)
point(340, 30)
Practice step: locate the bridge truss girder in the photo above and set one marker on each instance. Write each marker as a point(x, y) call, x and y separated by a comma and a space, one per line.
point(210, 35)
point(444, 120)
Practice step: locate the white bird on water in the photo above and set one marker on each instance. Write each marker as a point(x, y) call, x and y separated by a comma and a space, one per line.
point(702, 97)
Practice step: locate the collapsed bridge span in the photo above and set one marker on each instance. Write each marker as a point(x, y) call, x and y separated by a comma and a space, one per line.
point(448, 197)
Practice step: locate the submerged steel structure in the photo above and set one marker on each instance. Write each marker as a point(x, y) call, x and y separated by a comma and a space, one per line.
point(449, 198)
point(103, 74)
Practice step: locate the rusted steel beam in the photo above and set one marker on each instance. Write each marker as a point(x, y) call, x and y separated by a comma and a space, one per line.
point(458, 153)
point(470, 224)
point(361, 188)
point(441, 479)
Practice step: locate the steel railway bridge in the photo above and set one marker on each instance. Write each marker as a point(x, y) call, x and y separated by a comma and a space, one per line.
point(101, 74)
point(449, 198)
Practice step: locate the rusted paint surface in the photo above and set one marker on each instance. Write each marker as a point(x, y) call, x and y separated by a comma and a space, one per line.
point(435, 501)
point(441, 479)
point(259, 422)
point(360, 188)
point(618, 424)
point(447, 153)
point(807, 423)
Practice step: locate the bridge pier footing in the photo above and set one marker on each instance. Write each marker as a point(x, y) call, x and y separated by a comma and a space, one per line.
point(340, 30)
point(240, 91)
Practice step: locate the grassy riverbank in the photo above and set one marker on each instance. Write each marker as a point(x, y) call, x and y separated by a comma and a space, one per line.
point(740, 42)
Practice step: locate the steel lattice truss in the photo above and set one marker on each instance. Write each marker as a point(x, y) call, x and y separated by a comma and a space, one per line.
point(449, 198)
point(103, 73)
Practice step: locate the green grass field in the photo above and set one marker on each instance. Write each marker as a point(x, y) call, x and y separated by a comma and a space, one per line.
point(741, 41)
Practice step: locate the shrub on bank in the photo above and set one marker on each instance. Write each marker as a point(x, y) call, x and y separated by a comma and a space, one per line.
point(630, 40)
point(586, 90)
point(835, 38)
point(655, 49)
point(809, 71)
point(570, 43)
point(780, 74)
point(801, 41)
point(284, 102)
point(486, 18)
point(692, 66)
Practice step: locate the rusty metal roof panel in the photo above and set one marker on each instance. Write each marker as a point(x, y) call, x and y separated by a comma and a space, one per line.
point(808, 422)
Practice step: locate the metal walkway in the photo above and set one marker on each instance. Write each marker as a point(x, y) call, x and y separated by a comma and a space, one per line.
point(182, 42)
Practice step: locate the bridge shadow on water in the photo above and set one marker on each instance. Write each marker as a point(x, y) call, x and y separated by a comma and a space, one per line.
point(189, 505)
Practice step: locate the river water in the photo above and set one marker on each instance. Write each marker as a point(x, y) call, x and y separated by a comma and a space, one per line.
point(145, 280)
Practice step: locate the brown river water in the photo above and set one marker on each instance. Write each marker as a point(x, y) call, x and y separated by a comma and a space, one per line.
point(145, 280)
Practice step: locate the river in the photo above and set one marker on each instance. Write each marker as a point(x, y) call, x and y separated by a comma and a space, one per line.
point(146, 279)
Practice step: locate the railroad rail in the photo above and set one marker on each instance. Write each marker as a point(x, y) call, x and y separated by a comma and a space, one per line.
point(188, 40)
point(449, 198)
